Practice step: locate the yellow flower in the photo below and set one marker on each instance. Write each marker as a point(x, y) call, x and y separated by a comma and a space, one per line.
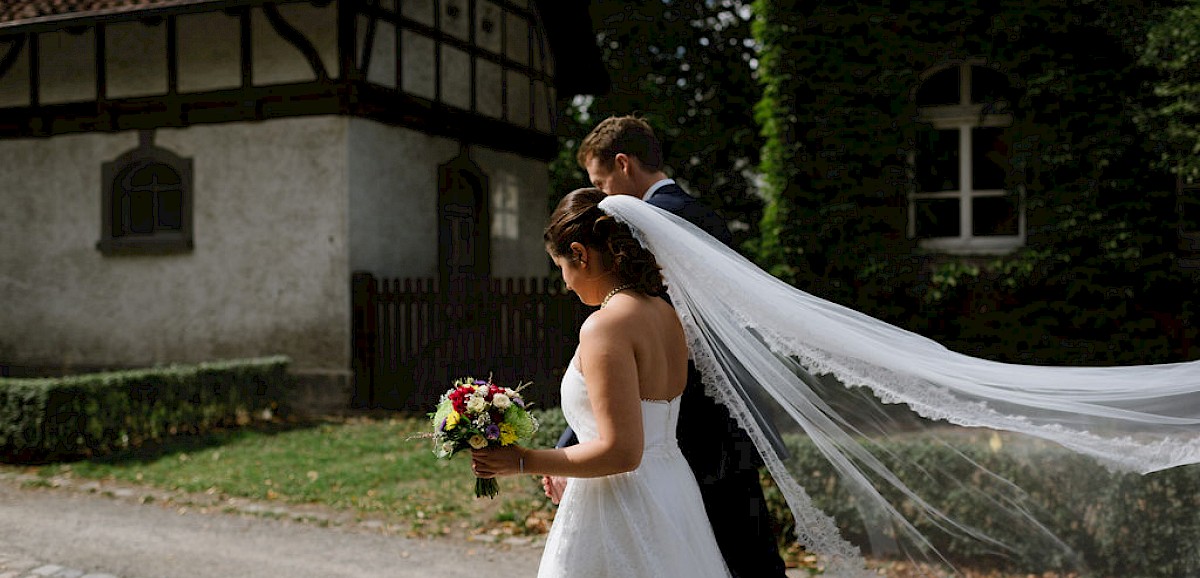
point(507, 434)
point(452, 420)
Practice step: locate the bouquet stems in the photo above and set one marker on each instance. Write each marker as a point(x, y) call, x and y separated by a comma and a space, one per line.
point(486, 487)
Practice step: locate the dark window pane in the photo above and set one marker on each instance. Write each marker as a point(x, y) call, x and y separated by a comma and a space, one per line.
point(154, 174)
point(994, 216)
point(941, 88)
point(170, 209)
point(987, 86)
point(139, 212)
point(938, 218)
point(989, 158)
point(937, 160)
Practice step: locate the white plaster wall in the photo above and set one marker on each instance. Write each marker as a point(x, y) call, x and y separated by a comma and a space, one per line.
point(269, 273)
point(489, 82)
point(276, 61)
point(382, 68)
point(14, 86)
point(393, 203)
point(209, 51)
point(516, 37)
point(393, 199)
point(419, 10)
point(520, 187)
point(543, 106)
point(494, 85)
point(517, 86)
point(456, 77)
point(488, 12)
point(67, 66)
point(135, 59)
point(417, 64)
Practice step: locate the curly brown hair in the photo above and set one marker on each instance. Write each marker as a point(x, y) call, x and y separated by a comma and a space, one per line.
point(628, 134)
point(579, 219)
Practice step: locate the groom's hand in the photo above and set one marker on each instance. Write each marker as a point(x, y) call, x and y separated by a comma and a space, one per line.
point(554, 486)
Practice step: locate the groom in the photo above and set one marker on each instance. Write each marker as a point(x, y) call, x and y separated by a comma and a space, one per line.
point(622, 156)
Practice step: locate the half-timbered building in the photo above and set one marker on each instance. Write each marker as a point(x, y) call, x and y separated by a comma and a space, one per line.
point(187, 180)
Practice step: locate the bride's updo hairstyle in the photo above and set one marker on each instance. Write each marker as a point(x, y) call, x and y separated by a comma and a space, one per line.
point(578, 219)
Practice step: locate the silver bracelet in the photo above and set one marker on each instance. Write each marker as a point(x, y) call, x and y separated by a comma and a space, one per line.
point(521, 465)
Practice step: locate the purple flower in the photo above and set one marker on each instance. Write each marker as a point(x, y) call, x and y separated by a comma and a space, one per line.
point(442, 425)
point(493, 432)
point(520, 402)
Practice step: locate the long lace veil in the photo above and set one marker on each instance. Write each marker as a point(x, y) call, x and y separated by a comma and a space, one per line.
point(790, 365)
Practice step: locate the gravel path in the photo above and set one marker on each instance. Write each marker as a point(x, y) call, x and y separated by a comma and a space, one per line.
point(98, 531)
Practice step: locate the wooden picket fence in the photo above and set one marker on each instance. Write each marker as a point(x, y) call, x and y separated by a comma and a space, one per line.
point(413, 338)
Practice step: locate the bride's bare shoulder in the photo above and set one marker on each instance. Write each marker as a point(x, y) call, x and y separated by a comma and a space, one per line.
point(626, 316)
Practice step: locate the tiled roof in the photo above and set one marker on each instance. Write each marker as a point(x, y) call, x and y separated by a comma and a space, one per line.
point(13, 12)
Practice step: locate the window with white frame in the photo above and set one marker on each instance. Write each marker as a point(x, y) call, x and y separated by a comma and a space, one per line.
point(962, 200)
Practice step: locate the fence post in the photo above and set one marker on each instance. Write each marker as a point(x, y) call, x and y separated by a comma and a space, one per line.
point(364, 329)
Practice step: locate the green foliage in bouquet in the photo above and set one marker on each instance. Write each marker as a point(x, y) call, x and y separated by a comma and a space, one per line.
point(475, 414)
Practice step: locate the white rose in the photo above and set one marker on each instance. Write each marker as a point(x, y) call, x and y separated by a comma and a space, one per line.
point(501, 401)
point(478, 442)
point(476, 404)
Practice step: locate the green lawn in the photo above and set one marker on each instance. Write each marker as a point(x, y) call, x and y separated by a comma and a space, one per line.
point(365, 466)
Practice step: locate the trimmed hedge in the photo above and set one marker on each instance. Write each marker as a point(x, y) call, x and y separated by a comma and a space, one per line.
point(83, 415)
point(1118, 524)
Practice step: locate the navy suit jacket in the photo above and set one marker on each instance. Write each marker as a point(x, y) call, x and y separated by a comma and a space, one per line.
point(674, 199)
point(709, 437)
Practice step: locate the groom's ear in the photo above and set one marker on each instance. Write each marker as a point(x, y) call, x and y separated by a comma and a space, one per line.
point(622, 163)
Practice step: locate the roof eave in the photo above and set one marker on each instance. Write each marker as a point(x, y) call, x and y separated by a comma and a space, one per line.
point(68, 19)
point(569, 28)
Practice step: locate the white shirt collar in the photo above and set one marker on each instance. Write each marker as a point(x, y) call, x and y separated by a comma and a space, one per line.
point(655, 187)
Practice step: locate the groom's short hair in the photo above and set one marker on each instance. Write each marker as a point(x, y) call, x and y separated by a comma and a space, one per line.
point(628, 134)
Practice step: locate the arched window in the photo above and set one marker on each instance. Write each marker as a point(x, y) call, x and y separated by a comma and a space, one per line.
point(146, 201)
point(964, 201)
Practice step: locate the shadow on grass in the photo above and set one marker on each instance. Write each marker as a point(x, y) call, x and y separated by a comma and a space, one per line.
point(152, 450)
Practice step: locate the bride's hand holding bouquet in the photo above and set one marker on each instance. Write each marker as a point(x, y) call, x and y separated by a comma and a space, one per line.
point(479, 415)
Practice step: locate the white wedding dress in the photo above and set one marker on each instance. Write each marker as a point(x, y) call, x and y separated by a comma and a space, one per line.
point(646, 523)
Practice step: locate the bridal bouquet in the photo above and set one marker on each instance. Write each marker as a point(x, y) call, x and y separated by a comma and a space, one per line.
point(476, 413)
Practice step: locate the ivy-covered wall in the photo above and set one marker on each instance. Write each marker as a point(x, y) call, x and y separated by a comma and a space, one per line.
point(1096, 280)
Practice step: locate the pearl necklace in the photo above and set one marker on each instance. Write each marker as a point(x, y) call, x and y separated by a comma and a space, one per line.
point(617, 289)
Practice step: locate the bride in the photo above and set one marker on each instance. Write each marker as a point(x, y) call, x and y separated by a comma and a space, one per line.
point(632, 506)
point(785, 362)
